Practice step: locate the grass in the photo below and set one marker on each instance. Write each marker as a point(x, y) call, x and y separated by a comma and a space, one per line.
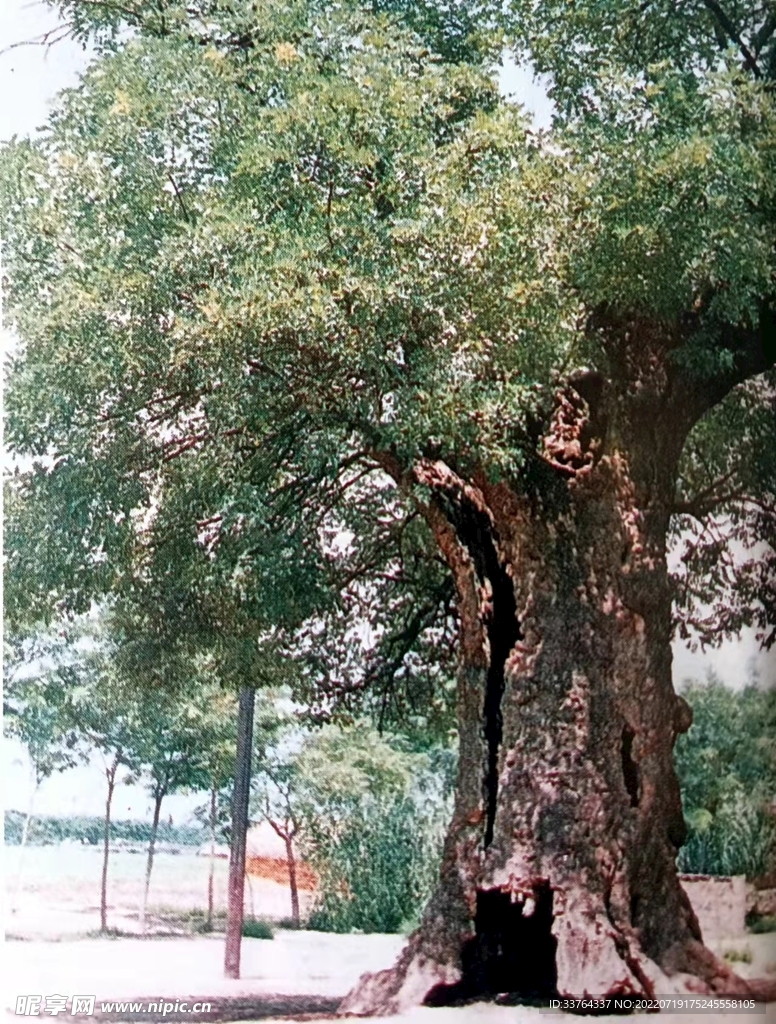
point(257, 930)
point(761, 925)
point(289, 924)
point(110, 933)
point(738, 956)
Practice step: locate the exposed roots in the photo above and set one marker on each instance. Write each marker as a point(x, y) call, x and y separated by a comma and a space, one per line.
point(512, 959)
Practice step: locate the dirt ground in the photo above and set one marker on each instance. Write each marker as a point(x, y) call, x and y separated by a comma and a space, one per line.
point(298, 963)
point(57, 892)
point(55, 906)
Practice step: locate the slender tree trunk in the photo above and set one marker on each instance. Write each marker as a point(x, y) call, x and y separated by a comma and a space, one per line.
point(558, 875)
point(211, 872)
point(292, 883)
point(158, 797)
point(110, 774)
point(242, 783)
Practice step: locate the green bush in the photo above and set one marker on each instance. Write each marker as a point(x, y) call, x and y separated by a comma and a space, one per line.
point(257, 930)
point(726, 765)
point(379, 872)
point(761, 924)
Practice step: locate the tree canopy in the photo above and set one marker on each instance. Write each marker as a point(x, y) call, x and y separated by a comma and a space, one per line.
point(268, 257)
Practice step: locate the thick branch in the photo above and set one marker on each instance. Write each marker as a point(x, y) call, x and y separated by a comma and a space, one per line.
point(753, 351)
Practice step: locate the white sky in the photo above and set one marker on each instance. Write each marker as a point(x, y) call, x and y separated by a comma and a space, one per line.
point(30, 78)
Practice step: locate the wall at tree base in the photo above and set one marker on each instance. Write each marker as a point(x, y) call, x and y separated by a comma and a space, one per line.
point(719, 903)
point(761, 901)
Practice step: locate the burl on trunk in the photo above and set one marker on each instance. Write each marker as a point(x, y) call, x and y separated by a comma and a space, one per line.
point(558, 876)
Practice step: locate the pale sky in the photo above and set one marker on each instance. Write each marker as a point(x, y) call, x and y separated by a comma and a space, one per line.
point(30, 78)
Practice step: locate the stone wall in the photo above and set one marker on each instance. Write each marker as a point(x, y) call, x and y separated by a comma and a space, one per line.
point(719, 903)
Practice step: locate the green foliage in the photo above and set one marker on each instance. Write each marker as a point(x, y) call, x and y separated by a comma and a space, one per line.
point(373, 822)
point(265, 250)
point(364, 809)
point(257, 929)
point(34, 706)
point(762, 925)
point(726, 765)
point(727, 574)
point(48, 829)
point(740, 956)
point(379, 868)
point(581, 46)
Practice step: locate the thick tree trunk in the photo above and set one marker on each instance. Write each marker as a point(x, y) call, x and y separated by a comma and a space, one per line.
point(110, 774)
point(242, 786)
point(558, 875)
point(158, 797)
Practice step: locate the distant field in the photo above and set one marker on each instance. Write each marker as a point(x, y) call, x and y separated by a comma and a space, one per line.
point(58, 891)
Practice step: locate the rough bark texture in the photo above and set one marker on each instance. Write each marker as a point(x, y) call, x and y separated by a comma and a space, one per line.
point(558, 875)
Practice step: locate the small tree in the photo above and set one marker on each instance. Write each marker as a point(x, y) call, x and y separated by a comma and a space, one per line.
point(107, 721)
point(171, 743)
point(35, 714)
point(277, 803)
point(218, 760)
point(276, 788)
point(353, 802)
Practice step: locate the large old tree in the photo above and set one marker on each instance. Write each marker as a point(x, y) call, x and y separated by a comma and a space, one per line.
point(299, 295)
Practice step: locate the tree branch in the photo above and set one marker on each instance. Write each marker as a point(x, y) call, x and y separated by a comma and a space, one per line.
point(734, 35)
point(179, 197)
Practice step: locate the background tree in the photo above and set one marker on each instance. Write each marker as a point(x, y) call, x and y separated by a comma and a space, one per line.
point(726, 765)
point(277, 269)
point(34, 713)
point(179, 741)
point(218, 758)
point(274, 802)
point(106, 720)
point(374, 817)
point(275, 795)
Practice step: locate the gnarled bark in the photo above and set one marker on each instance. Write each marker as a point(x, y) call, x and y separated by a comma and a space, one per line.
point(558, 875)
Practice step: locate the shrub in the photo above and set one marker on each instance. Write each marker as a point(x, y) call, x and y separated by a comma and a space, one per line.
point(47, 829)
point(761, 925)
point(726, 765)
point(253, 929)
point(738, 956)
point(378, 874)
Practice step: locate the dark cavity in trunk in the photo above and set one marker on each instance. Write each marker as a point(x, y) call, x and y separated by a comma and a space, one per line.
point(476, 533)
point(512, 954)
point(630, 771)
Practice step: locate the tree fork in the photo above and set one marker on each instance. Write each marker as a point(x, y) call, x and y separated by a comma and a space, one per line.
point(242, 785)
